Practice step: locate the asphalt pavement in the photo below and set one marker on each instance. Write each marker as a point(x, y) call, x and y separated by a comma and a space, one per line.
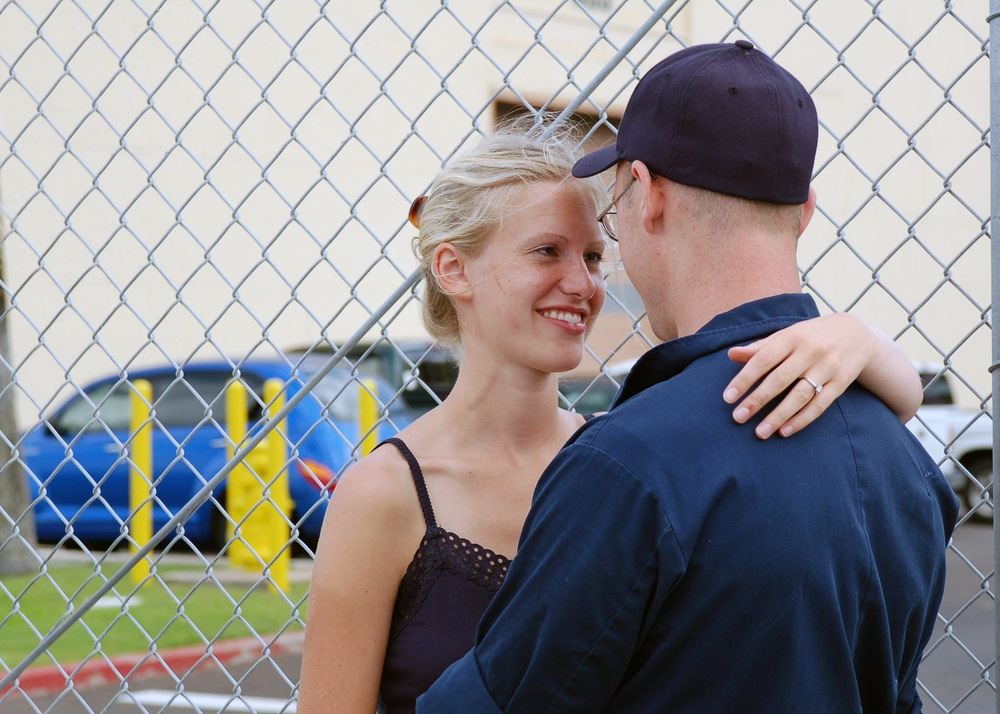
point(964, 640)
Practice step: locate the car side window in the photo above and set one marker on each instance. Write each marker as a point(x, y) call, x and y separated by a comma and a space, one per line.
point(178, 402)
point(199, 398)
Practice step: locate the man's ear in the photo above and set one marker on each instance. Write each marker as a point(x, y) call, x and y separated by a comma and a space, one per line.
point(448, 267)
point(808, 209)
point(651, 187)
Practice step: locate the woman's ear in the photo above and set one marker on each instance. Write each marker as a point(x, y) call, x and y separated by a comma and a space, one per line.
point(448, 267)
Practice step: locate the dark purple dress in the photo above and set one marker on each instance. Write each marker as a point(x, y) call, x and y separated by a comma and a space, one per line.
point(441, 599)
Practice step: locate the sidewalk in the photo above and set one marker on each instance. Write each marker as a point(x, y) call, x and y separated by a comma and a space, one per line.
point(54, 678)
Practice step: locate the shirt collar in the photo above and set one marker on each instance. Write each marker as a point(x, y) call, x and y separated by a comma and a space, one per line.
point(746, 323)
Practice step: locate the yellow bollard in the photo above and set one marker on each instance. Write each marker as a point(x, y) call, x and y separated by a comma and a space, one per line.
point(257, 495)
point(140, 482)
point(367, 416)
point(276, 533)
point(240, 482)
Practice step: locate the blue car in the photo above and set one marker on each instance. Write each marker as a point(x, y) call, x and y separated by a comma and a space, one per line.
point(77, 460)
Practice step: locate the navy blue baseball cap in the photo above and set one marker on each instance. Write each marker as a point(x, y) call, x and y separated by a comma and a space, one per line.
point(724, 117)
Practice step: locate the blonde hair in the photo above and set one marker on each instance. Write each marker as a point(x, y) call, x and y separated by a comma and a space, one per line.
point(471, 197)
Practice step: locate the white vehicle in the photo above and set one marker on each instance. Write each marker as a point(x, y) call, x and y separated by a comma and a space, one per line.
point(960, 440)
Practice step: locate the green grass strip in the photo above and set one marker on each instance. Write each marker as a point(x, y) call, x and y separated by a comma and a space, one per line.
point(181, 606)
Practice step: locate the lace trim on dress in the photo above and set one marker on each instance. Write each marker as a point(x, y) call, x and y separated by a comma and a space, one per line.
point(442, 550)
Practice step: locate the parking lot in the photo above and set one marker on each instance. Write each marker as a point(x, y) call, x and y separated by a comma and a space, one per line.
point(946, 670)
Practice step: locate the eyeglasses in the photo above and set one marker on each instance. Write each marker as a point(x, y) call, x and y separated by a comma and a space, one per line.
point(608, 218)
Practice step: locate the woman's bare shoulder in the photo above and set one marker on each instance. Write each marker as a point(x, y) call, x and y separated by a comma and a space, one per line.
point(373, 516)
point(379, 483)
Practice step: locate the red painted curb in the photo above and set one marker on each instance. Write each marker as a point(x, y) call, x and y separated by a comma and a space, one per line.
point(179, 661)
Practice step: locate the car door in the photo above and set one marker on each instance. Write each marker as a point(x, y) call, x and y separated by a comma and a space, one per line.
point(78, 465)
point(189, 441)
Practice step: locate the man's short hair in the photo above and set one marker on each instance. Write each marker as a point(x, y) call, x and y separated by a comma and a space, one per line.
point(724, 214)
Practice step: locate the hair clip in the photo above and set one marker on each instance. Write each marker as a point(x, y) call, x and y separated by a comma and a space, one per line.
point(416, 208)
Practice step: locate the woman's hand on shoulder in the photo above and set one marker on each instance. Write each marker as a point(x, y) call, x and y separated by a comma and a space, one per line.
point(832, 352)
point(364, 548)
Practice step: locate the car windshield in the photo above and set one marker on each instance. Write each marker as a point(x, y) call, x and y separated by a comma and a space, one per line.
point(106, 406)
point(338, 391)
point(588, 396)
point(937, 391)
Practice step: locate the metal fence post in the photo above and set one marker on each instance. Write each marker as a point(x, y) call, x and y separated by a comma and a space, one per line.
point(994, 21)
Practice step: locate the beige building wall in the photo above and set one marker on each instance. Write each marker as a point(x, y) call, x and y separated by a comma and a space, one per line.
point(178, 189)
point(903, 176)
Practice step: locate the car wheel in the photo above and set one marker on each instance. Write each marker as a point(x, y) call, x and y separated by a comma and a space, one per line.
point(979, 500)
point(218, 531)
point(303, 546)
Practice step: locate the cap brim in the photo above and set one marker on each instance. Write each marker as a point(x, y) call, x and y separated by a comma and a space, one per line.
point(596, 161)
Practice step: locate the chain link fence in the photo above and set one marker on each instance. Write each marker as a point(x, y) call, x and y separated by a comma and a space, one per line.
point(197, 195)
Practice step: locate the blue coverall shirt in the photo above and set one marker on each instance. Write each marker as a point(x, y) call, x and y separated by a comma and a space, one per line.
point(674, 562)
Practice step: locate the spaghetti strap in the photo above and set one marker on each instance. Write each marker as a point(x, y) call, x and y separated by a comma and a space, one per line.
point(418, 479)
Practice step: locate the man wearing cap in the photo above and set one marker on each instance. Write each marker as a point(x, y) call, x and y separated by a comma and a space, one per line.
point(673, 561)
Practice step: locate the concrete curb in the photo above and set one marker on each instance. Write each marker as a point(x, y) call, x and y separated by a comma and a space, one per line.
point(179, 662)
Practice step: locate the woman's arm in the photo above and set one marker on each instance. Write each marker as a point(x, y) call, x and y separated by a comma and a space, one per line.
point(360, 560)
point(833, 351)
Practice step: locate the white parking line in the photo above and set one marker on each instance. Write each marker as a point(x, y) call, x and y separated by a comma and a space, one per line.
point(113, 602)
point(206, 702)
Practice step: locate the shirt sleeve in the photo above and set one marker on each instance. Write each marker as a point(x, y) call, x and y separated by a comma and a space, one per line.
point(597, 556)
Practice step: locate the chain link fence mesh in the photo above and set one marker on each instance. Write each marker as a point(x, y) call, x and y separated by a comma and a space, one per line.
point(202, 194)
